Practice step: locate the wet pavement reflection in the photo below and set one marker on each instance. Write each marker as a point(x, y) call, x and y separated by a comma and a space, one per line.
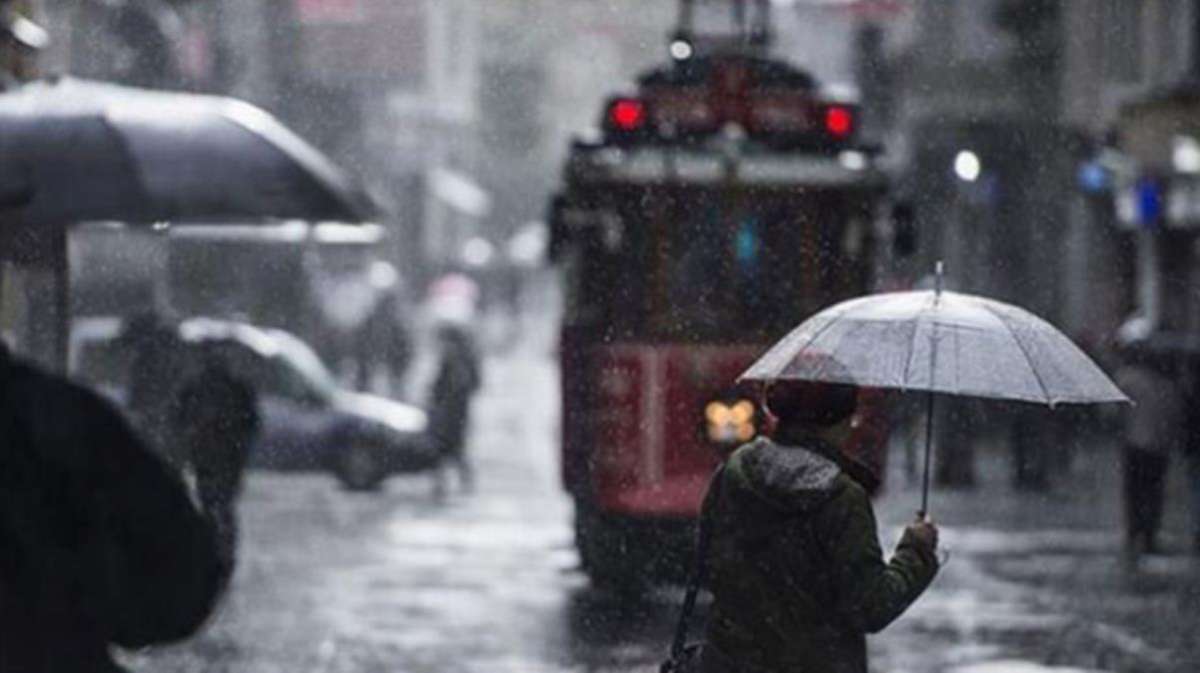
point(333, 581)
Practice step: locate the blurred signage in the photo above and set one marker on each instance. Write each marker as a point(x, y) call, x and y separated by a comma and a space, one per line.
point(683, 108)
point(1153, 204)
point(329, 11)
point(1149, 196)
point(1154, 132)
point(1093, 177)
point(1183, 203)
point(877, 10)
point(381, 42)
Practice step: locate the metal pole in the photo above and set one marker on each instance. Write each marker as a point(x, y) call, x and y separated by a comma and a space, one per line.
point(937, 297)
point(928, 451)
point(739, 19)
point(686, 18)
point(762, 29)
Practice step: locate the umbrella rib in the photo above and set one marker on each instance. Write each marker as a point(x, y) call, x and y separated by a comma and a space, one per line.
point(955, 368)
point(1024, 351)
point(912, 353)
point(126, 151)
point(832, 319)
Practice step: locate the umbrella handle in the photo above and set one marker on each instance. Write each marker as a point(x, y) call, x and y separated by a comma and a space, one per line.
point(928, 451)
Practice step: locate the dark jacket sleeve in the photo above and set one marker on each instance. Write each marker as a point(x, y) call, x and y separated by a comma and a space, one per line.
point(869, 593)
point(156, 556)
point(164, 567)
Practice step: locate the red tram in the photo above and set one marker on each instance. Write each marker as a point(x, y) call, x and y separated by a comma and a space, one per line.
point(723, 203)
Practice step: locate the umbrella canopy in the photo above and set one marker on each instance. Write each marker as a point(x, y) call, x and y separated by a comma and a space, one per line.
point(74, 150)
point(942, 342)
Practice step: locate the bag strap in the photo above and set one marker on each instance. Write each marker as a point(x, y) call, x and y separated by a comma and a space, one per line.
point(699, 566)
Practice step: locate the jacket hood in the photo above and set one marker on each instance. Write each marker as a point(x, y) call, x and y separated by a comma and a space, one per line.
point(790, 478)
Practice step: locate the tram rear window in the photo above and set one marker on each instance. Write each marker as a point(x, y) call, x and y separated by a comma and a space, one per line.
point(713, 266)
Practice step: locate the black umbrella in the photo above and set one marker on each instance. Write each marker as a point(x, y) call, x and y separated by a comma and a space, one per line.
point(74, 150)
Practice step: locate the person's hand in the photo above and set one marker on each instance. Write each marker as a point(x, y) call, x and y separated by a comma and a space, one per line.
point(924, 532)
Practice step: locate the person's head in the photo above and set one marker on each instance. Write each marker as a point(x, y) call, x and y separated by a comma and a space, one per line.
point(451, 334)
point(811, 406)
point(816, 407)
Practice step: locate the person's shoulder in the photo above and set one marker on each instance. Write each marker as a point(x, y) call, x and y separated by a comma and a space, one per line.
point(849, 488)
point(68, 420)
point(846, 498)
point(44, 387)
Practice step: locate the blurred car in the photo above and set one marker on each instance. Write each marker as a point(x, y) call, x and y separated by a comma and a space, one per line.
point(309, 422)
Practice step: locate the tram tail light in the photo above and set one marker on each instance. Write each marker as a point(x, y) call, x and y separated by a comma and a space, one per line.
point(839, 121)
point(626, 115)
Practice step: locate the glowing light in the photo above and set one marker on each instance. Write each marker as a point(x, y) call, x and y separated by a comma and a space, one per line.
point(730, 423)
point(839, 121)
point(1185, 154)
point(853, 161)
point(745, 432)
point(742, 412)
point(716, 413)
point(681, 50)
point(627, 114)
point(477, 252)
point(967, 166)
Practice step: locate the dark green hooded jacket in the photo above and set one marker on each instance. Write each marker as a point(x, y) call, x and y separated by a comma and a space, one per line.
point(795, 566)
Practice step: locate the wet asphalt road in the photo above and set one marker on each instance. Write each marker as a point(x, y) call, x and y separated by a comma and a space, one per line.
point(332, 581)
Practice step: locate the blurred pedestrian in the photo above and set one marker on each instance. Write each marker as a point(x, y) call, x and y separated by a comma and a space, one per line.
point(1192, 451)
point(99, 542)
point(796, 570)
point(155, 358)
point(1030, 435)
point(957, 423)
point(1193, 479)
point(382, 344)
point(458, 378)
point(1154, 428)
point(216, 420)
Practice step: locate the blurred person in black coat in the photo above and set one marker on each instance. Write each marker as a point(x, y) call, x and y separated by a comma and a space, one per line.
point(457, 380)
point(1155, 427)
point(100, 545)
point(215, 422)
point(155, 358)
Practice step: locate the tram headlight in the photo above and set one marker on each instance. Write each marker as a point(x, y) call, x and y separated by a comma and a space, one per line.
point(730, 422)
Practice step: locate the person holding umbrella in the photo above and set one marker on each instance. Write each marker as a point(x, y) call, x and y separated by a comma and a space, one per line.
point(797, 574)
point(796, 569)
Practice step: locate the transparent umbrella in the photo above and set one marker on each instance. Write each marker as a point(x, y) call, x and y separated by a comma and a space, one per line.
point(935, 341)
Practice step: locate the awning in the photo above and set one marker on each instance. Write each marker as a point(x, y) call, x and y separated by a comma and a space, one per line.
point(460, 192)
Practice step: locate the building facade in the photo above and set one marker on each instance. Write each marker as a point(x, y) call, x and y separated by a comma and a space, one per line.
point(1025, 92)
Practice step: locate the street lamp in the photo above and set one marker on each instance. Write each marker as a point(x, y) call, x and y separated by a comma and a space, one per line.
point(681, 49)
point(967, 166)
